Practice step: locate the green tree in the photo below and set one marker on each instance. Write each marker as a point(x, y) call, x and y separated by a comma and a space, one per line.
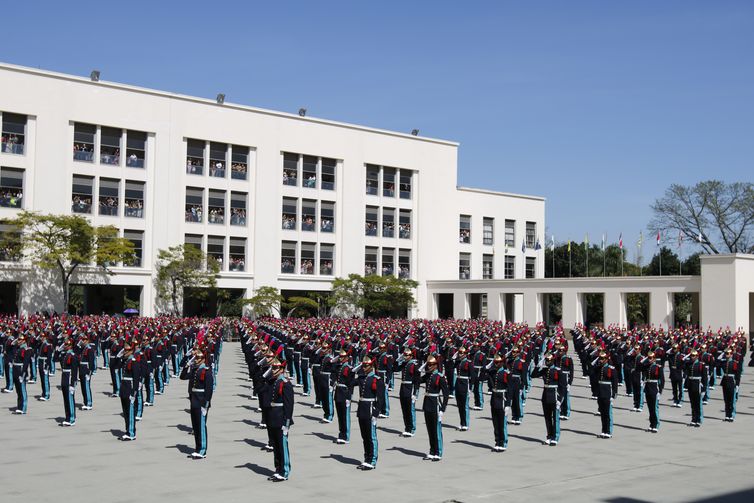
point(66, 243)
point(607, 262)
point(670, 263)
point(374, 296)
point(301, 307)
point(265, 302)
point(183, 267)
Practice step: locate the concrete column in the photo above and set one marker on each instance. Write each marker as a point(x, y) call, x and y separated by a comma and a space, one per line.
point(532, 307)
point(660, 308)
point(573, 308)
point(518, 307)
point(615, 308)
point(494, 310)
point(460, 306)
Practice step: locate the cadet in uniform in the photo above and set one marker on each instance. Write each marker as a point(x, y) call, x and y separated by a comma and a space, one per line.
point(435, 401)
point(696, 385)
point(69, 366)
point(553, 381)
point(407, 393)
point(280, 421)
point(653, 386)
point(498, 403)
point(607, 382)
point(201, 378)
point(730, 382)
point(371, 396)
point(344, 383)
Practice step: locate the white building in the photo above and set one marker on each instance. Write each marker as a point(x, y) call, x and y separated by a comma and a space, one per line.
point(279, 199)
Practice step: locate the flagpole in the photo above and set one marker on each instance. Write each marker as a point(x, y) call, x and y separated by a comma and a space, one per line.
point(569, 260)
point(586, 244)
point(604, 256)
point(621, 261)
point(553, 262)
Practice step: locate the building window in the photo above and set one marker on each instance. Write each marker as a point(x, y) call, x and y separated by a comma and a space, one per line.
point(510, 233)
point(195, 156)
point(290, 169)
point(327, 216)
point(488, 231)
point(289, 213)
point(137, 239)
point(388, 222)
point(326, 259)
point(531, 265)
point(510, 267)
point(109, 149)
point(373, 179)
point(464, 266)
point(194, 204)
point(288, 257)
point(238, 208)
point(11, 187)
point(370, 228)
point(239, 168)
point(388, 182)
point(237, 254)
point(83, 142)
point(81, 194)
point(307, 258)
point(216, 250)
point(328, 173)
point(14, 133)
point(216, 206)
point(370, 261)
point(194, 241)
point(136, 145)
point(10, 244)
point(309, 172)
point(218, 159)
point(404, 224)
point(405, 186)
point(464, 229)
point(404, 264)
point(388, 261)
point(531, 234)
point(309, 215)
point(134, 200)
point(487, 266)
point(108, 196)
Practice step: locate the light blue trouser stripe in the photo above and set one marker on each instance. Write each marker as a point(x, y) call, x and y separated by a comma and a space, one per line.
point(348, 422)
point(387, 402)
point(286, 458)
point(505, 431)
point(439, 438)
point(568, 405)
point(701, 411)
point(374, 442)
point(203, 430)
point(557, 424)
point(132, 420)
point(46, 385)
point(332, 404)
point(610, 408)
point(413, 417)
point(9, 378)
point(466, 406)
point(23, 394)
point(657, 409)
point(72, 408)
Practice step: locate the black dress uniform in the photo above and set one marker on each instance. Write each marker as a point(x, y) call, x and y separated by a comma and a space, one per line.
point(696, 385)
point(280, 420)
point(21, 361)
point(202, 384)
point(553, 381)
point(407, 393)
point(567, 369)
point(133, 370)
point(345, 381)
point(45, 360)
point(730, 382)
point(69, 366)
point(498, 402)
point(654, 383)
point(371, 396)
point(435, 402)
point(464, 373)
point(607, 388)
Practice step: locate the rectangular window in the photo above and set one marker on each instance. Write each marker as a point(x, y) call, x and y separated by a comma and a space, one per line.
point(307, 258)
point(288, 257)
point(10, 238)
point(218, 159)
point(326, 259)
point(405, 186)
point(11, 187)
point(137, 238)
point(134, 200)
point(327, 216)
point(531, 267)
point(488, 231)
point(404, 264)
point(289, 213)
point(328, 173)
point(308, 215)
point(238, 208)
point(388, 182)
point(83, 142)
point(216, 250)
point(464, 229)
point(404, 224)
point(82, 191)
point(290, 169)
point(388, 222)
point(370, 261)
point(531, 234)
point(237, 254)
point(488, 266)
point(373, 179)
point(370, 228)
point(464, 266)
point(510, 233)
point(194, 204)
point(510, 267)
point(136, 146)
point(239, 168)
point(388, 261)
point(14, 133)
point(109, 145)
point(108, 196)
point(195, 156)
point(193, 240)
point(309, 172)
point(216, 206)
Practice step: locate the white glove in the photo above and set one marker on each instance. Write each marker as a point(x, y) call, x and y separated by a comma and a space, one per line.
point(204, 411)
point(413, 398)
point(507, 411)
point(86, 377)
point(72, 390)
point(285, 431)
point(348, 403)
point(439, 416)
point(132, 398)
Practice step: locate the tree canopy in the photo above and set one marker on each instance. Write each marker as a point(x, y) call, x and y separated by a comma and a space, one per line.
point(184, 267)
point(374, 296)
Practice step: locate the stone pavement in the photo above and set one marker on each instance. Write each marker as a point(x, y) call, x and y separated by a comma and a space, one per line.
point(42, 461)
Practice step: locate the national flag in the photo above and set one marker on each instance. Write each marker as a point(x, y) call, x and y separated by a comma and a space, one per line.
point(523, 246)
point(569, 246)
point(603, 242)
point(700, 238)
point(659, 239)
point(680, 239)
point(586, 240)
point(537, 246)
point(641, 239)
point(620, 241)
point(552, 243)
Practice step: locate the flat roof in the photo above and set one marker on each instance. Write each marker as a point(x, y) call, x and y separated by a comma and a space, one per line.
point(497, 193)
point(206, 101)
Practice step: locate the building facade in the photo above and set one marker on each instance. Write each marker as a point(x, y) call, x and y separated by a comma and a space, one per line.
point(277, 199)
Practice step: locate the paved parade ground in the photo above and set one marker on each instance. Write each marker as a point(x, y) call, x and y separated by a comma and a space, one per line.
point(42, 461)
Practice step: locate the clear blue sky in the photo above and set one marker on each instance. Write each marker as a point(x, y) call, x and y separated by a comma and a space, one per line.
point(596, 105)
